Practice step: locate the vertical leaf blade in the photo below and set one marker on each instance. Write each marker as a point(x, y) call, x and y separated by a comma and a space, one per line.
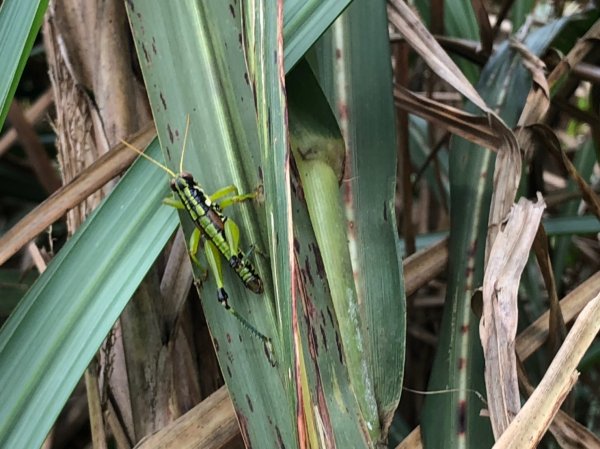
point(20, 21)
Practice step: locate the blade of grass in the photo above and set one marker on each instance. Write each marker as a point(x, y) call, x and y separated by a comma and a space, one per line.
point(304, 22)
point(20, 21)
point(352, 62)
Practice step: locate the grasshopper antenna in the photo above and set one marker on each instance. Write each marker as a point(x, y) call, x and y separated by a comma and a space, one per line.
point(144, 155)
point(187, 127)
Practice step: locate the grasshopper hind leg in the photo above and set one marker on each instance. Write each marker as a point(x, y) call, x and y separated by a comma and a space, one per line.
point(214, 261)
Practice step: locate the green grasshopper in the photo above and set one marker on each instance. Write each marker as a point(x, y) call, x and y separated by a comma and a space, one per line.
point(221, 234)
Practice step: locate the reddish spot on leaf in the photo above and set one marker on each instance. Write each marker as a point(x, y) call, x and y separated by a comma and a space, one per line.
point(462, 417)
point(343, 111)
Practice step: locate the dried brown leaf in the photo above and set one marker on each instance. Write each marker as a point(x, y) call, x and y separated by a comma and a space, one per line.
point(530, 424)
point(532, 338)
point(471, 127)
point(211, 424)
point(535, 65)
point(36, 153)
point(567, 431)
point(507, 171)
point(33, 114)
point(485, 28)
point(412, 441)
point(507, 174)
point(421, 40)
point(424, 265)
point(498, 326)
point(538, 103)
point(558, 330)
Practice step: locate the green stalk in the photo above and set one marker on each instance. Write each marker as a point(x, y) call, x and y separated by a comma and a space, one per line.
point(319, 150)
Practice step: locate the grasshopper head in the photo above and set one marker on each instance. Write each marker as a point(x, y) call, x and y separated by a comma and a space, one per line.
point(182, 181)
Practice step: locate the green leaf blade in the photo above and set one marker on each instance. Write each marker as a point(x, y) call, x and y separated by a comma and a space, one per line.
point(20, 21)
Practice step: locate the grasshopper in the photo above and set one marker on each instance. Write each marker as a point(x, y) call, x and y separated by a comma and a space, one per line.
point(220, 233)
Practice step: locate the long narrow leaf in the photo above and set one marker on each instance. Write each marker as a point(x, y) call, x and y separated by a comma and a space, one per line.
point(354, 66)
point(20, 21)
point(504, 84)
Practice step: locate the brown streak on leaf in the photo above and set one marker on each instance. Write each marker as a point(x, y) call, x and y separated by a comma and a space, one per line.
point(321, 410)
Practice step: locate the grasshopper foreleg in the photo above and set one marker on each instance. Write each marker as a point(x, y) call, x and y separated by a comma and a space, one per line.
point(233, 196)
point(170, 201)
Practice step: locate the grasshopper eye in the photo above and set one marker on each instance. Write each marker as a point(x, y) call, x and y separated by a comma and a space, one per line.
point(173, 184)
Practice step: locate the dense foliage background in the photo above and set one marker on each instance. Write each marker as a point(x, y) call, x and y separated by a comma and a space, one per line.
point(387, 142)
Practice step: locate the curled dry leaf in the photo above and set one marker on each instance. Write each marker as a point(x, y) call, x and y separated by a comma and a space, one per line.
point(498, 326)
point(507, 174)
point(421, 41)
point(538, 100)
point(471, 127)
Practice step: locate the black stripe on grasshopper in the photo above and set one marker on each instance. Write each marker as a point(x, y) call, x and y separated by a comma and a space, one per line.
point(207, 216)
